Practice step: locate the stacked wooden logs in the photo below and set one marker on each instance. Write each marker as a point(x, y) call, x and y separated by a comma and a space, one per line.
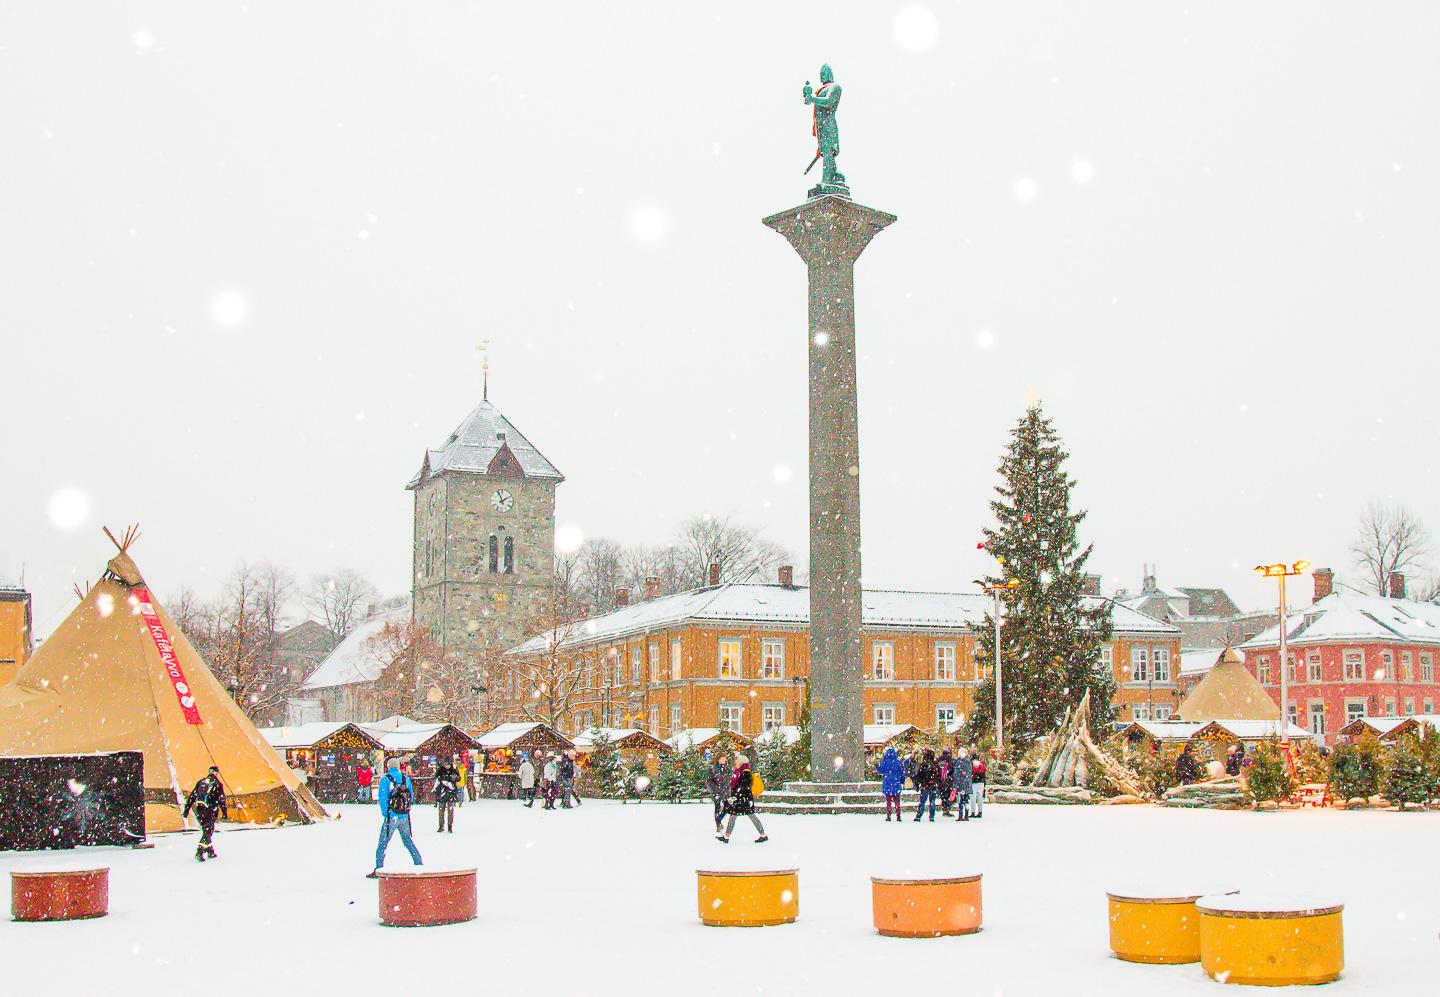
point(1226, 793)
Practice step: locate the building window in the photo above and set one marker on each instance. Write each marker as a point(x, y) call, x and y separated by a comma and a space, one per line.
point(1429, 707)
point(1161, 662)
point(635, 664)
point(730, 717)
point(1293, 715)
point(1290, 668)
point(509, 555)
point(729, 657)
point(944, 716)
point(1355, 665)
point(1407, 666)
point(1354, 710)
point(654, 663)
point(1314, 663)
point(1409, 707)
point(772, 715)
point(1140, 711)
point(1387, 663)
point(772, 659)
point(945, 661)
point(494, 553)
point(1427, 669)
point(654, 727)
point(1262, 670)
point(1317, 718)
point(1140, 665)
point(1389, 707)
point(884, 713)
point(1161, 711)
point(675, 658)
point(1107, 659)
point(677, 717)
point(882, 658)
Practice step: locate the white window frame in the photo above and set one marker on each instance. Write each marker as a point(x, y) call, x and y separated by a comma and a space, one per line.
point(731, 717)
point(1427, 667)
point(1140, 665)
point(1355, 708)
point(1107, 658)
point(1409, 706)
point(945, 714)
point(772, 658)
point(882, 661)
point(1139, 711)
point(1162, 711)
point(772, 715)
point(883, 713)
point(1390, 706)
point(677, 718)
point(1160, 664)
point(1262, 669)
point(1291, 663)
point(1407, 666)
point(724, 661)
point(654, 654)
point(1353, 658)
point(946, 661)
point(1317, 716)
point(675, 655)
point(654, 719)
point(1314, 667)
point(1387, 665)
point(637, 664)
point(1429, 706)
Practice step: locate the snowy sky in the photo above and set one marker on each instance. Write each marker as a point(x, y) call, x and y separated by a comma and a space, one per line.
point(249, 250)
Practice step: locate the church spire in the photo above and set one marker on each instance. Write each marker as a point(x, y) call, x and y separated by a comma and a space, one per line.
point(484, 350)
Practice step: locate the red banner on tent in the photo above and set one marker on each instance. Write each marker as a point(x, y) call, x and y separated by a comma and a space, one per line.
point(167, 654)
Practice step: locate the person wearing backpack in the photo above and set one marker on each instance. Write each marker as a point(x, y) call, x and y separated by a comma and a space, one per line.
point(977, 789)
point(946, 778)
point(447, 794)
point(961, 784)
point(208, 801)
point(927, 781)
point(397, 794)
point(741, 801)
point(567, 782)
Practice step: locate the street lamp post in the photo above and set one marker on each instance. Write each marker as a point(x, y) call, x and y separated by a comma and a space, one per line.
point(999, 685)
point(1280, 572)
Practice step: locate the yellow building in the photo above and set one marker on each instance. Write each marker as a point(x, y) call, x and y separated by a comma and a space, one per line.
point(737, 657)
point(14, 628)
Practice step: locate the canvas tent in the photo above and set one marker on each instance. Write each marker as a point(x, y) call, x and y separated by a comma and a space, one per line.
point(1229, 692)
point(118, 674)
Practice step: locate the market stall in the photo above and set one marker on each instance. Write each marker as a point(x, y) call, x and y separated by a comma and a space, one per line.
point(328, 752)
point(427, 745)
point(501, 751)
point(632, 745)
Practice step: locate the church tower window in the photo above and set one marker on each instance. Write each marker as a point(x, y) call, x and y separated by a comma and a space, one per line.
point(494, 553)
point(509, 555)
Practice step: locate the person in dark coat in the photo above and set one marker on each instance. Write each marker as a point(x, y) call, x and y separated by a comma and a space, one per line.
point(567, 782)
point(977, 786)
point(892, 781)
point(927, 781)
point(961, 777)
point(1187, 770)
point(945, 763)
point(447, 794)
point(740, 801)
point(717, 783)
point(208, 801)
point(1234, 758)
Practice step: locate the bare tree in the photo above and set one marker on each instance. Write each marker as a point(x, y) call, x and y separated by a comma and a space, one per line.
point(420, 682)
point(243, 647)
point(1390, 539)
point(547, 681)
point(340, 599)
point(743, 555)
point(664, 562)
point(599, 569)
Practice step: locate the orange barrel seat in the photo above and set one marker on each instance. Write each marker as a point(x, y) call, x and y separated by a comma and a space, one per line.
point(926, 908)
point(423, 899)
point(749, 898)
point(1156, 925)
point(60, 895)
point(1271, 941)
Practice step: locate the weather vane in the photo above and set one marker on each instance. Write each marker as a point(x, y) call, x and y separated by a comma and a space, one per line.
point(484, 350)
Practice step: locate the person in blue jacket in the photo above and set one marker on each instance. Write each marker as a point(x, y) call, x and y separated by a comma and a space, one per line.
point(961, 779)
point(397, 795)
point(892, 781)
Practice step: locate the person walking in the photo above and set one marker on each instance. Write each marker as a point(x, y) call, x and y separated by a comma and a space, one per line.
point(208, 801)
point(717, 784)
point(397, 794)
point(892, 781)
point(551, 782)
point(364, 778)
point(464, 769)
point(527, 781)
point(1187, 770)
point(961, 784)
point(567, 782)
point(740, 801)
point(946, 779)
point(977, 787)
point(927, 781)
point(447, 794)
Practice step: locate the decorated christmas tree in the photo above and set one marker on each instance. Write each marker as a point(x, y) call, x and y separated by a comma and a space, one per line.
point(1405, 780)
point(1355, 770)
point(1268, 780)
point(1051, 638)
point(605, 773)
point(670, 778)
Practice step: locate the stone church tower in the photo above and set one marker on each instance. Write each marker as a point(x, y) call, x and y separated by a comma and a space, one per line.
point(484, 539)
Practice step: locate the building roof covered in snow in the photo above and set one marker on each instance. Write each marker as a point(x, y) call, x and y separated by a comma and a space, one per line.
point(1251, 730)
point(620, 737)
point(789, 605)
point(508, 734)
point(1198, 662)
point(395, 736)
point(486, 442)
point(354, 660)
point(1343, 617)
point(308, 735)
point(1162, 730)
point(878, 735)
point(8, 584)
point(1389, 728)
point(699, 737)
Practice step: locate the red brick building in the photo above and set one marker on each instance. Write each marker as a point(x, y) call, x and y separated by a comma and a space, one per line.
point(1351, 656)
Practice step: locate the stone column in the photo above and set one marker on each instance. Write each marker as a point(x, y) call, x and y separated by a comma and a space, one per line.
point(830, 233)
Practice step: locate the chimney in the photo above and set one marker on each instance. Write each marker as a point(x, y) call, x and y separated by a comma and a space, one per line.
point(1147, 584)
point(652, 587)
point(787, 575)
point(622, 597)
point(1397, 585)
point(1090, 585)
point(714, 574)
point(1324, 583)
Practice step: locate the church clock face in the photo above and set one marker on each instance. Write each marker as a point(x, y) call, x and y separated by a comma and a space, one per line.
point(502, 501)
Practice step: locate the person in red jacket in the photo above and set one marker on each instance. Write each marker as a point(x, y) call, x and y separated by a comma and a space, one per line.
point(364, 779)
point(977, 787)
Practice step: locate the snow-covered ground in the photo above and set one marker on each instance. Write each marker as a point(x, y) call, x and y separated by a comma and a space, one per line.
point(602, 901)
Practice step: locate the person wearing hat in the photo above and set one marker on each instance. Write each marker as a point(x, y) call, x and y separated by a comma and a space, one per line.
point(397, 795)
point(207, 799)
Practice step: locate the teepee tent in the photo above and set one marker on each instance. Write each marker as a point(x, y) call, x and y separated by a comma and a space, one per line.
point(1229, 692)
point(119, 674)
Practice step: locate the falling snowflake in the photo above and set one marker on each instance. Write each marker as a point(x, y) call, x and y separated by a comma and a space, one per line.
point(69, 509)
point(105, 603)
point(229, 308)
point(782, 474)
point(648, 223)
point(1082, 171)
point(1025, 190)
point(984, 339)
point(143, 39)
point(821, 338)
point(568, 538)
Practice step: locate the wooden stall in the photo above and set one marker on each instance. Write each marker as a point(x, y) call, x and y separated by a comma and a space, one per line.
point(329, 752)
point(710, 739)
point(633, 746)
point(501, 751)
point(427, 745)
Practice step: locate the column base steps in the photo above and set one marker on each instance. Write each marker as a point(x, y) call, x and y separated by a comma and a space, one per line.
point(830, 798)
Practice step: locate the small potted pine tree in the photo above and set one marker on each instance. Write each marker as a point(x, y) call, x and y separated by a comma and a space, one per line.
point(1268, 780)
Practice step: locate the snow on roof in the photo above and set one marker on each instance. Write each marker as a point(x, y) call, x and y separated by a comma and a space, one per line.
point(698, 735)
point(8, 584)
point(1346, 616)
point(878, 734)
point(406, 737)
point(475, 443)
point(789, 605)
point(615, 735)
point(1166, 730)
point(303, 735)
point(786, 734)
point(1200, 661)
point(354, 660)
point(1382, 726)
point(507, 734)
point(1255, 730)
